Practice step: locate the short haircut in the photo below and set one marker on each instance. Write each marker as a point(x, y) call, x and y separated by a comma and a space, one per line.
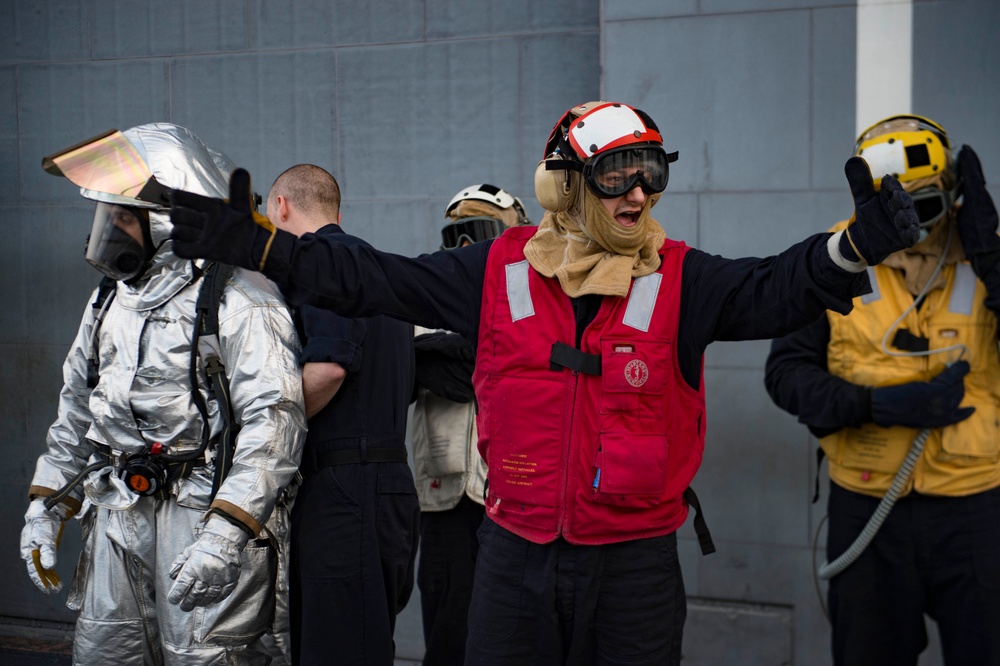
point(309, 188)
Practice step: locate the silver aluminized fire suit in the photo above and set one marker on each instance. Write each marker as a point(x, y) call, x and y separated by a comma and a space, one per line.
point(144, 397)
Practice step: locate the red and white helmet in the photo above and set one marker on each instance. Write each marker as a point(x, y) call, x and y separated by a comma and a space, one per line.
point(613, 145)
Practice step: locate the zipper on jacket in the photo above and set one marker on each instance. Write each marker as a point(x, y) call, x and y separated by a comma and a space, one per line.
point(564, 465)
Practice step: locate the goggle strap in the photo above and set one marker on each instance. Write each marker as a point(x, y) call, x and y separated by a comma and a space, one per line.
point(563, 165)
point(672, 157)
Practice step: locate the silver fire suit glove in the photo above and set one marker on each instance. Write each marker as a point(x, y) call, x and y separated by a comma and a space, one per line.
point(208, 570)
point(39, 541)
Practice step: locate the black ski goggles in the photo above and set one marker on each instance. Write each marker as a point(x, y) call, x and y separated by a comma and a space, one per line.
point(932, 204)
point(471, 230)
point(614, 173)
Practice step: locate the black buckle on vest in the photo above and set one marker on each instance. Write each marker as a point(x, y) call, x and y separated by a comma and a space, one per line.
point(908, 342)
point(564, 356)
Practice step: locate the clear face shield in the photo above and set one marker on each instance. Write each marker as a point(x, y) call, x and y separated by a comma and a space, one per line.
point(117, 242)
point(932, 204)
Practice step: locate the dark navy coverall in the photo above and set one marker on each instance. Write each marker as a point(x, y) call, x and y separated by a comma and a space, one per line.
point(355, 521)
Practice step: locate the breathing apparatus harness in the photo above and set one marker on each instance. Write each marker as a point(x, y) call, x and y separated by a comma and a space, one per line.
point(149, 472)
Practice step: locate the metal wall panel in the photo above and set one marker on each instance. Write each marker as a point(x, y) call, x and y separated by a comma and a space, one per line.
point(302, 24)
point(8, 136)
point(956, 60)
point(42, 31)
point(474, 18)
point(128, 29)
point(267, 111)
point(721, 89)
point(61, 104)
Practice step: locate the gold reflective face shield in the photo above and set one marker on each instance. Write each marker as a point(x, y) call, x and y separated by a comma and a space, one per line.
point(108, 163)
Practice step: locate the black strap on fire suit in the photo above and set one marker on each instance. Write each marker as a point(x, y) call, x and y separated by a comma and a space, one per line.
point(564, 356)
point(105, 294)
point(210, 352)
point(700, 526)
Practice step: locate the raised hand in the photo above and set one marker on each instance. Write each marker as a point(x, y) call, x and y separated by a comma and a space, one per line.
point(226, 231)
point(885, 220)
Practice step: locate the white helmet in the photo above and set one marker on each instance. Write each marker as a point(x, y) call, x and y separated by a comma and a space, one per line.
point(469, 221)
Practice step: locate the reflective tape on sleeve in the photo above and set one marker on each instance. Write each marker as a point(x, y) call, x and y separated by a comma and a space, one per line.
point(874, 294)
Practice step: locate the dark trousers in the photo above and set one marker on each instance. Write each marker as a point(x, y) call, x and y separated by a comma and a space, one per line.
point(354, 541)
point(448, 549)
point(556, 603)
point(938, 556)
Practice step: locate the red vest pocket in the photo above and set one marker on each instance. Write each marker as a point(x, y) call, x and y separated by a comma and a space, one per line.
point(526, 449)
point(634, 376)
point(630, 470)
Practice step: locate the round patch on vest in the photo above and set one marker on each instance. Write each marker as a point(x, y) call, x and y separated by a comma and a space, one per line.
point(636, 373)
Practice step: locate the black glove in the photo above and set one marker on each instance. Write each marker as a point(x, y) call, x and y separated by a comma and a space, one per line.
point(977, 218)
point(452, 345)
point(226, 231)
point(445, 362)
point(884, 221)
point(933, 404)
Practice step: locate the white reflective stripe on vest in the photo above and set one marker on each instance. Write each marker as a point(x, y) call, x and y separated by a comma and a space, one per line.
point(874, 295)
point(518, 291)
point(963, 291)
point(641, 301)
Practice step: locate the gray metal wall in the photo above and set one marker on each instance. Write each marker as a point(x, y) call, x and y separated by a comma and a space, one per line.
point(407, 101)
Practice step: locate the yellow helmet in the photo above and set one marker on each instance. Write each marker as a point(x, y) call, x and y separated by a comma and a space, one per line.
point(911, 148)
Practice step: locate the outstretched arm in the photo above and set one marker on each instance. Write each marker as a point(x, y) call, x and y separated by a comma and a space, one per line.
point(338, 272)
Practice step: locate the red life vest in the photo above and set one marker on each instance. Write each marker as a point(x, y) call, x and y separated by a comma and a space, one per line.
point(594, 458)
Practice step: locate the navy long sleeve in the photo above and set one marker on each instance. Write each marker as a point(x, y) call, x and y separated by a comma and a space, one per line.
point(721, 299)
point(797, 379)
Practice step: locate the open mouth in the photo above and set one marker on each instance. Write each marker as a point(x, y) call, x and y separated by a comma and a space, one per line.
point(628, 218)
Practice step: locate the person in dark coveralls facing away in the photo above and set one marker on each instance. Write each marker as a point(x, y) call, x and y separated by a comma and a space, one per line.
point(355, 522)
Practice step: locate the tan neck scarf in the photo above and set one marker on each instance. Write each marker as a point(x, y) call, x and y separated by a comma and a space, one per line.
point(598, 256)
point(918, 262)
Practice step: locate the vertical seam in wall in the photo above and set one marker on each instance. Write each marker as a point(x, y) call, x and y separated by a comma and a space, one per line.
point(336, 109)
point(697, 219)
point(521, 139)
point(170, 89)
point(249, 25)
point(601, 49)
point(90, 30)
point(812, 98)
point(17, 133)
